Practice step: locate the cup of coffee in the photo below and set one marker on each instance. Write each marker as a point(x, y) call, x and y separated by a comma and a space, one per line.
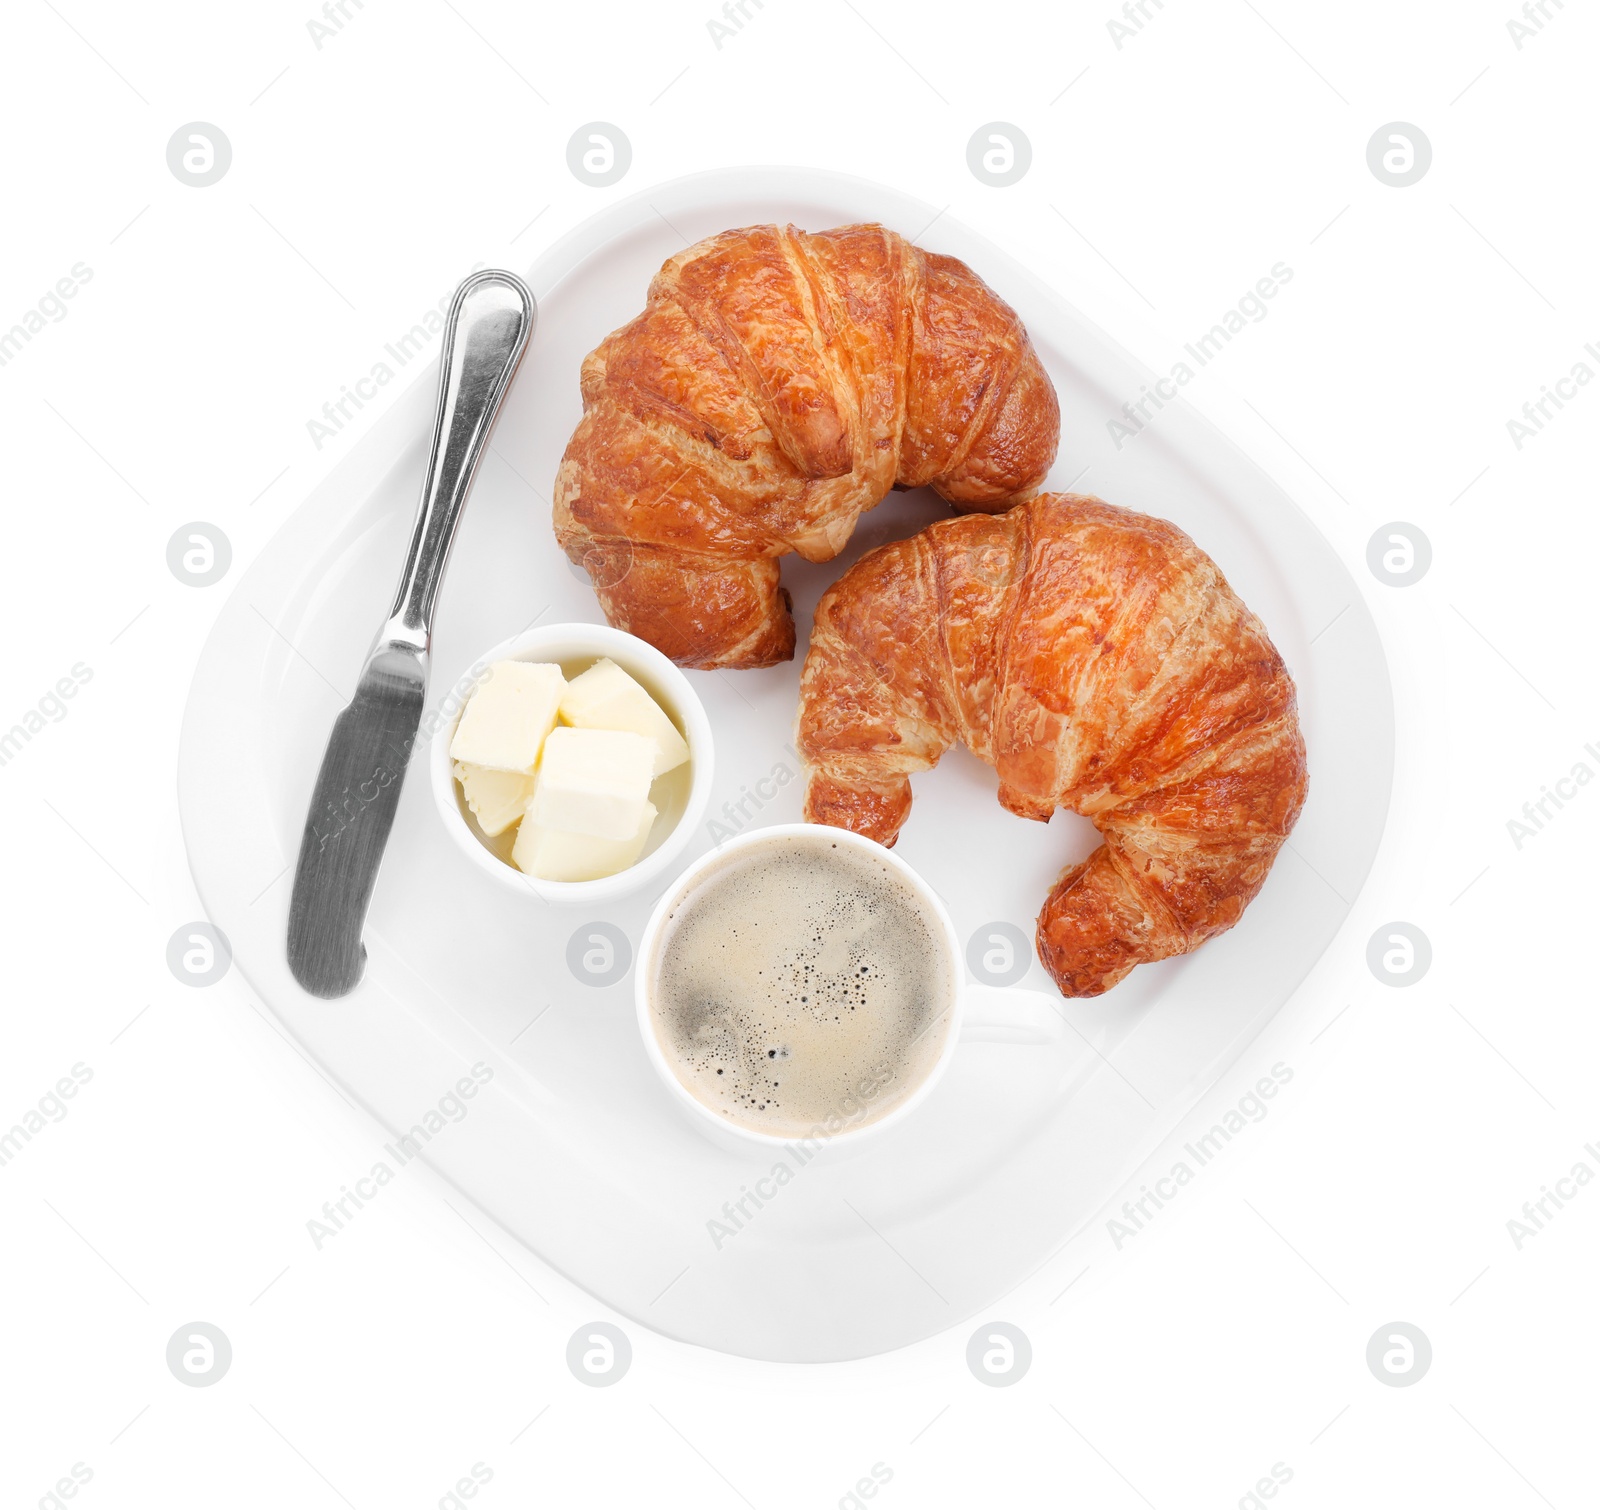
point(803, 984)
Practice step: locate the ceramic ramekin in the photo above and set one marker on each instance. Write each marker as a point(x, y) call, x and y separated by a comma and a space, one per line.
point(575, 647)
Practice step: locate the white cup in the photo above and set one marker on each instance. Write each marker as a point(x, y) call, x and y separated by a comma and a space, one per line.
point(1007, 1014)
point(576, 647)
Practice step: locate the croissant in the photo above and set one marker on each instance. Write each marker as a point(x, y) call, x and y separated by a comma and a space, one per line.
point(1099, 662)
point(776, 385)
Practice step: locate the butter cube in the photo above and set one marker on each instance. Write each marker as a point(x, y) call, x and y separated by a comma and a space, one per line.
point(553, 854)
point(508, 715)
point(497, 798)
point(593, 781)
point(606, 697)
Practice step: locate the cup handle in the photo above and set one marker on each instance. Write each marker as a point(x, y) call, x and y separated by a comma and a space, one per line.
point(1011, 1014)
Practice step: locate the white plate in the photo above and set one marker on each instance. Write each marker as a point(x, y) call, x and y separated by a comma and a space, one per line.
point(572, 1146)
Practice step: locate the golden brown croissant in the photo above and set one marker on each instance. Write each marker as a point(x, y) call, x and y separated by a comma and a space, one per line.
point(1098, 661)
point(776, 385)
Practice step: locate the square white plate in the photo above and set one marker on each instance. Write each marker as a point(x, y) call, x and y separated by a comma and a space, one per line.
point(571, 1144)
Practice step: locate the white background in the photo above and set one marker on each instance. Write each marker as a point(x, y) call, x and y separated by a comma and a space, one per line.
point(1168, 174)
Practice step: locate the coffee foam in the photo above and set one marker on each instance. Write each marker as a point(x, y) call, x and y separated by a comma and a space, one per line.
point(802, 988)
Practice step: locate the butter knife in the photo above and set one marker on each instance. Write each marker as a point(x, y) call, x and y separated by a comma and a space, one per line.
point(364, 767)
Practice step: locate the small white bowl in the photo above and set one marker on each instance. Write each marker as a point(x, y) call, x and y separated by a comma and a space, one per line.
point(680, 796)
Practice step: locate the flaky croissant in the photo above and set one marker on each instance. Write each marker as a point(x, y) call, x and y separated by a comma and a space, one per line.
point(776, 385)
point(1099, 662)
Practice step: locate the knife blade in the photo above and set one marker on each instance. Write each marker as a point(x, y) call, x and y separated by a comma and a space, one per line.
point(358, 787)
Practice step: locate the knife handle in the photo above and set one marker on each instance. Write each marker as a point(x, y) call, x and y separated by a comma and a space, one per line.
point(491, 319)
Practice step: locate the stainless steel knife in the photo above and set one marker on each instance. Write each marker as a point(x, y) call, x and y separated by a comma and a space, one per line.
point(364, 767)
